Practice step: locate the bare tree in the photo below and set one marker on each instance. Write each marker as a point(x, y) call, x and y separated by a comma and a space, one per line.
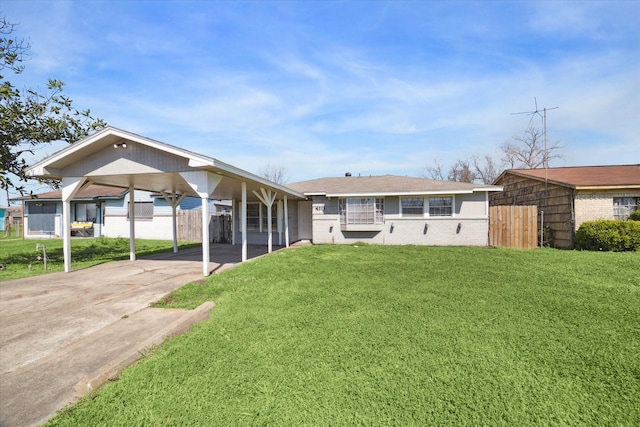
point(528, 151)
point(435, 171)
point(275, 174)
point(472, 169)
point(486, 169)
point(462, 171)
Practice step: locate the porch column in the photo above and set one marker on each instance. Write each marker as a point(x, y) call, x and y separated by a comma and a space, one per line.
point(132, 225)
point(243, 221)
point(234, 207)
point(267, 197)
point(70, 187)
point(286, 222)
point(279, 221)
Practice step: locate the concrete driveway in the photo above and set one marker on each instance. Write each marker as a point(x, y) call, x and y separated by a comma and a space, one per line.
point(63, 334)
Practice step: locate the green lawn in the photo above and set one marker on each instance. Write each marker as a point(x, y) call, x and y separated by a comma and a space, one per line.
point(16, 255)
point(374, 335)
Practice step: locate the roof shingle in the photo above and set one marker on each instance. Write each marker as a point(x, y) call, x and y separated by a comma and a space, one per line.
point(585, 176)
point(385, 184)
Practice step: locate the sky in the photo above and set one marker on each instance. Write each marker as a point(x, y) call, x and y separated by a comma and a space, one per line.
point(320, 88)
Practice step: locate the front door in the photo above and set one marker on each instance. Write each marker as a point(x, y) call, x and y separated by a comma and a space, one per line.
point(305, 231)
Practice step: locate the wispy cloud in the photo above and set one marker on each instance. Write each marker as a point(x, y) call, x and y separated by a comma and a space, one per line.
point(326, 87)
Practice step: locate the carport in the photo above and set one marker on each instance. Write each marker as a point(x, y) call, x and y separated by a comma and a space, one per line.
point(118, 158)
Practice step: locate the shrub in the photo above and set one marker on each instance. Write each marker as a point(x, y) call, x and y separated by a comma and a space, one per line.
point(635, 216)
point(608, 235)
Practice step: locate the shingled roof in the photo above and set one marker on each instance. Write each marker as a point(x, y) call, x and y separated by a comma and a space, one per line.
point(384, 185)
point(583, 176)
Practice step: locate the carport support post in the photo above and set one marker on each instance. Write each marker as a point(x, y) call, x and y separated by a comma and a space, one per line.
point(70, 187)
point(132, 225)
point(203, 183)
point(174, 201)
point(66, 233)
point(205, 236)
point(243, 221)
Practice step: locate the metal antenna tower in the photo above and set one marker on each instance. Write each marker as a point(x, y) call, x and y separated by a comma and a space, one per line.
point(545, 159)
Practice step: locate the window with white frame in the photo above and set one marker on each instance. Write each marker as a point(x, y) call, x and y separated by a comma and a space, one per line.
point(265, 218)
point(441, 206)
point(253, 216)
point(142, 210)
point(412, 206)
point(367, 210)
point(85, 212)
point(623, 207)
point(257, 219)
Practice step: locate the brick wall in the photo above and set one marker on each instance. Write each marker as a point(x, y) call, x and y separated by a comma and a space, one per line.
point(595, 205)
point(460, 230)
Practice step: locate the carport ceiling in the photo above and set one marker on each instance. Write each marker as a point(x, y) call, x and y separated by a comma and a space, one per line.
point(149, 165)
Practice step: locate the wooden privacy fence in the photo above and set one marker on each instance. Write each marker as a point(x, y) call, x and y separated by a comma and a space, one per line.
point(513, 226)
point(189, 225)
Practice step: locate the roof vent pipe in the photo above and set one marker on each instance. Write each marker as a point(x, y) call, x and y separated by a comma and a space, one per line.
point(347, 174)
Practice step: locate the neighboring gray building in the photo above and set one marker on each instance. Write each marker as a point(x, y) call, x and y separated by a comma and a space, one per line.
point(103, 210)
point(393, 210)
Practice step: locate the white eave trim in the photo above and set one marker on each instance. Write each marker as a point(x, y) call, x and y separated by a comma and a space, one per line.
point(41, 166)
point(630, 187)
point(404, 193)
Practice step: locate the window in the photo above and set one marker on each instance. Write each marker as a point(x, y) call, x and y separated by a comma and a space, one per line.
point(143, 210)
point(85, 212)
point(42, 217)
point(362, 211)
point(623, 207)
point(257, 219)
point(441, 206)
point(265, 218)
point(412, 206)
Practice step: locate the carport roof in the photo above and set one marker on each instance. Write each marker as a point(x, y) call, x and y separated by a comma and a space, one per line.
point(142, 177)
point(88, 193)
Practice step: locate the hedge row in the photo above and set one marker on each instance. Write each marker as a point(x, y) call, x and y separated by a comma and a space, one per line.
point(608, 235)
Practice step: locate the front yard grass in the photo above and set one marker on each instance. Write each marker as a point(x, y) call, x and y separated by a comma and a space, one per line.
point(375, 335)
point(16, 255)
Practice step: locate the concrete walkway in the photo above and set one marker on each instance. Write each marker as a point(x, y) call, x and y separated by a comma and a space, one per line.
point(63, 334)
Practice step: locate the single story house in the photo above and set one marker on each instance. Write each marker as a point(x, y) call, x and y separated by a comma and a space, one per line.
point(393, 210)
point(151, 181)
point(102, 211)
point(568, 196)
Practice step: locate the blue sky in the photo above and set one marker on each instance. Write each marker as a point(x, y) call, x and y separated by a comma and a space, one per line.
point(322, 87)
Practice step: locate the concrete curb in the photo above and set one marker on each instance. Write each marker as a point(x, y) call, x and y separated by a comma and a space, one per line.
point(114, 367)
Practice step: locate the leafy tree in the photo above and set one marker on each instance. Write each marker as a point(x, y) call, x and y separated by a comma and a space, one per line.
point(29, 118)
